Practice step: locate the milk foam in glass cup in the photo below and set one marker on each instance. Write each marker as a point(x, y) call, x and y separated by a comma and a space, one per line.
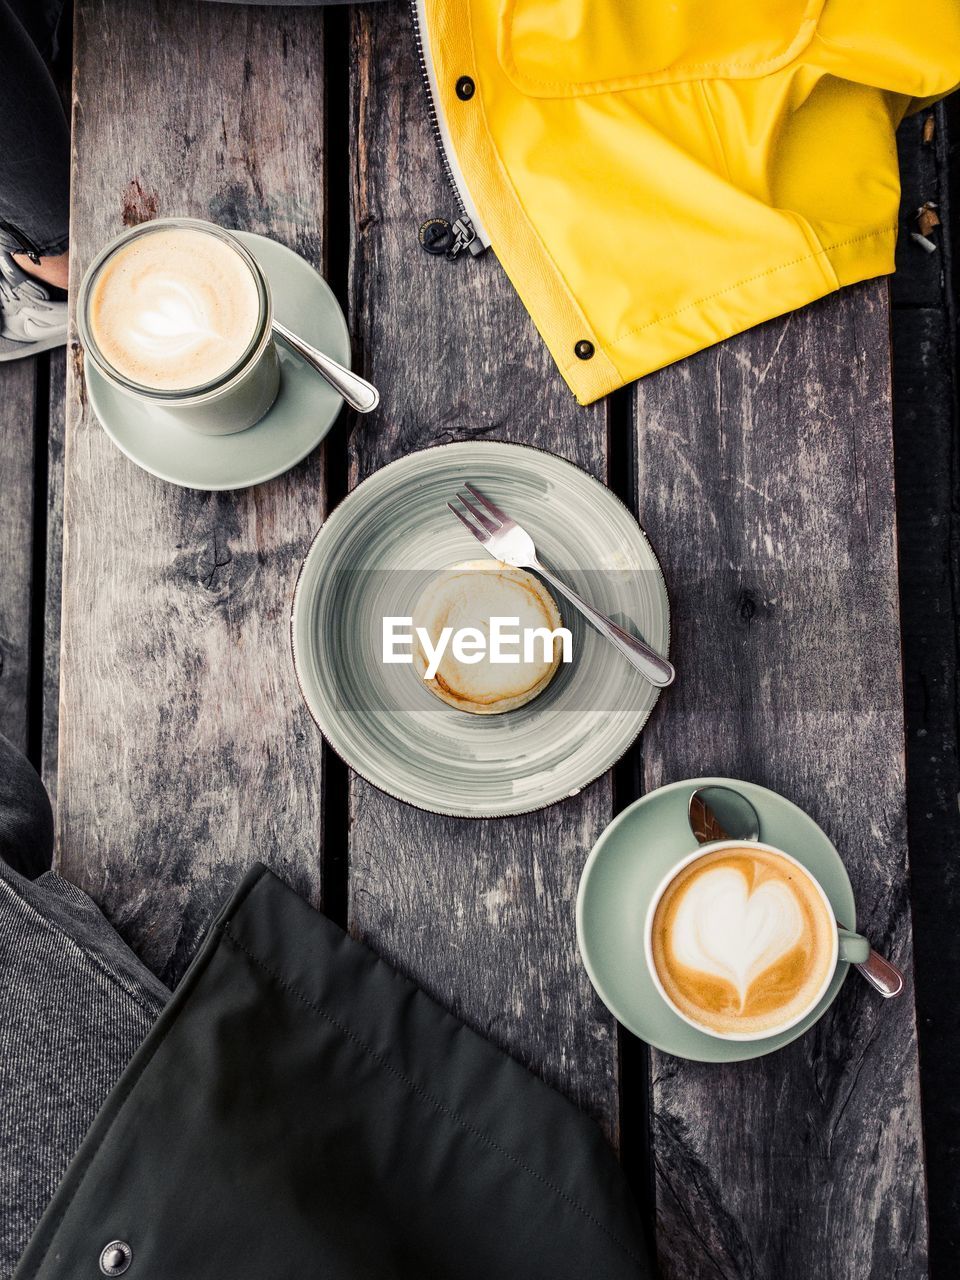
point(741, 941)
point(177, 314)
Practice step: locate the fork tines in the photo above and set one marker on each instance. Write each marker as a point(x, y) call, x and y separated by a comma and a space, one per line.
point(480, 534)
point(486, 521)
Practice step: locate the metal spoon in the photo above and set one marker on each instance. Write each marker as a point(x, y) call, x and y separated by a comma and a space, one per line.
point(356, 391)
point(721, 813)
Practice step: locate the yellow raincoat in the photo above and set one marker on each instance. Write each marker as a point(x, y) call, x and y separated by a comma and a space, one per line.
point(655, 175)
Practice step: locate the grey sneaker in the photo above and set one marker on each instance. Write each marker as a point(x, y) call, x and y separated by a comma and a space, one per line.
point(30, 320)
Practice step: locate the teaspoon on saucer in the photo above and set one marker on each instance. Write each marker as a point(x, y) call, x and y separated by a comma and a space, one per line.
point(358, 393)
point(721, 813)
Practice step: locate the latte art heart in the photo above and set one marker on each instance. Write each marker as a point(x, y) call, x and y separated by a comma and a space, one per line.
point(742, 941)
point(724, 929)
point(174, 308)
point(171, 320)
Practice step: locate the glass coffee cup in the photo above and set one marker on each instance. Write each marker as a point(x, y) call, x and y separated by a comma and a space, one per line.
point(177, 314)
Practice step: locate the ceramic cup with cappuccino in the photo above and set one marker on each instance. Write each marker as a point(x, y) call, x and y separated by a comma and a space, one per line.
point(741, 940)
point(177, 313)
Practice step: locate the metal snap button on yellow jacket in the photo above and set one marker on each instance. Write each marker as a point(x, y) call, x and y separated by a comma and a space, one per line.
point(655, 175)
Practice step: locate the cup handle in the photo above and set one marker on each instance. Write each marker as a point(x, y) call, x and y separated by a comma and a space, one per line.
point(853, 948)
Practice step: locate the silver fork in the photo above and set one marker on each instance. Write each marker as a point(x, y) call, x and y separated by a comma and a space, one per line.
point(507, 541)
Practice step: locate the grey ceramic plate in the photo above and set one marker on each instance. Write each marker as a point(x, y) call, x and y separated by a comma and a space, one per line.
point(373, 557)
point(302, 414)
point(621, 874)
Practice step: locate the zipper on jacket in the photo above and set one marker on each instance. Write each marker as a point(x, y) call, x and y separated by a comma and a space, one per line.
point(449, 239)
point(442, 236)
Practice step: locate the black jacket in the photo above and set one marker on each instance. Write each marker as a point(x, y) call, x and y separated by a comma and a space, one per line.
point(301, 1110)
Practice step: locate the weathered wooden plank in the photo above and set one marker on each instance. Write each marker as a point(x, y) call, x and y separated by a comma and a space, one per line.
point(765, 480)
point(928, 497)
point(185, 750)
point(54, 558)
point(481, 913)
point(927, 492)
point(17, 394)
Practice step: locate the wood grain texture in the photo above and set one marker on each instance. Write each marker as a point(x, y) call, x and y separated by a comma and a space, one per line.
point(185, 749)
point(481, 913)
point(924, 314)
point(765, 481)
point(50, 712)
point(17, 399)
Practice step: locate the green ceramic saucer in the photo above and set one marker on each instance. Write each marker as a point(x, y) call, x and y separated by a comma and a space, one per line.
point(372, 558)
point(621, 875)
point(302, 414)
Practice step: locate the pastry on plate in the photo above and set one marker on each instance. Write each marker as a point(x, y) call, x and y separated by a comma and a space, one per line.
point(469, 595)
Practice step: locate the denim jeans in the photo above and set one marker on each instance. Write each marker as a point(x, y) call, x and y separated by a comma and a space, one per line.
point(34, 134)
point(75, 1003)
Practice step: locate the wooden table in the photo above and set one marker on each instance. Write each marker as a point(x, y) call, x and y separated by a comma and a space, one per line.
point(762, 470)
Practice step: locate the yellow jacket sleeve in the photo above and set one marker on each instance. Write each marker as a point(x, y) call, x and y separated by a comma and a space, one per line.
point(655, 177)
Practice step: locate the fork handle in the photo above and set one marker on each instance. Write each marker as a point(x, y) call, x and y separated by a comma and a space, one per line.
point(656, 669)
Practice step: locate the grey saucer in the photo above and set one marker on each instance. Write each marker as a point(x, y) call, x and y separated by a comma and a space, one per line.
point(302, 414)
point(621, 875)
